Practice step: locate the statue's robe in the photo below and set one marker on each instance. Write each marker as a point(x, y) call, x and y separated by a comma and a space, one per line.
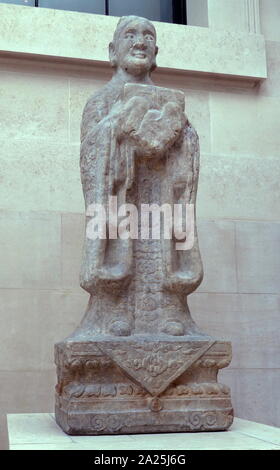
point(143, 282)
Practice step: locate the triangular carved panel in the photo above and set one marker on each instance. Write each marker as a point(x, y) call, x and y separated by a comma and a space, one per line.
point(154, 364)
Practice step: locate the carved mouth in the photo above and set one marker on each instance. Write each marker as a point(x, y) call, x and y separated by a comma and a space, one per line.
point(139, 55)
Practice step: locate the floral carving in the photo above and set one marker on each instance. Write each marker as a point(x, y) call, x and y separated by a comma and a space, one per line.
point(201, 389)
point(125, 390)
point(110, 423)
point(194, 421)
point(203, 421)
point(98, 423)
point(89, 363)
point(155, 364)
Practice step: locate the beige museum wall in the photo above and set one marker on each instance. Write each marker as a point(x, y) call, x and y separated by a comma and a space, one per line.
point(41, 220)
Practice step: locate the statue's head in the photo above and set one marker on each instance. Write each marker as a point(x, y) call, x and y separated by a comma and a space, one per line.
point(134, 46)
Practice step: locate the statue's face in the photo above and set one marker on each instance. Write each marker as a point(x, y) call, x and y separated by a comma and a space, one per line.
point(135, 48)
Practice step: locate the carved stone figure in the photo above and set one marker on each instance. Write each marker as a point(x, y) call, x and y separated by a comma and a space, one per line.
point(137, 362)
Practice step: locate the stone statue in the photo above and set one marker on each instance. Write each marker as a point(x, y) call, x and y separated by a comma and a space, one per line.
point(137, 362)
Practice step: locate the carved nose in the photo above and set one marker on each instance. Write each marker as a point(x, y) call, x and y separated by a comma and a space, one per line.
point(140, 44)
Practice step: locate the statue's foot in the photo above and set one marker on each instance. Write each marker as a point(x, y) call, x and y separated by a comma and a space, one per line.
point(174, 328)
point(120, 328)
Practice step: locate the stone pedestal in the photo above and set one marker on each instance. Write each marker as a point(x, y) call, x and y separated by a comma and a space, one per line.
point(141, 384)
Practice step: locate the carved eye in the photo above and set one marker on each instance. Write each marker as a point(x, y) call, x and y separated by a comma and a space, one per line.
point(129, 36)
point(149, 37)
